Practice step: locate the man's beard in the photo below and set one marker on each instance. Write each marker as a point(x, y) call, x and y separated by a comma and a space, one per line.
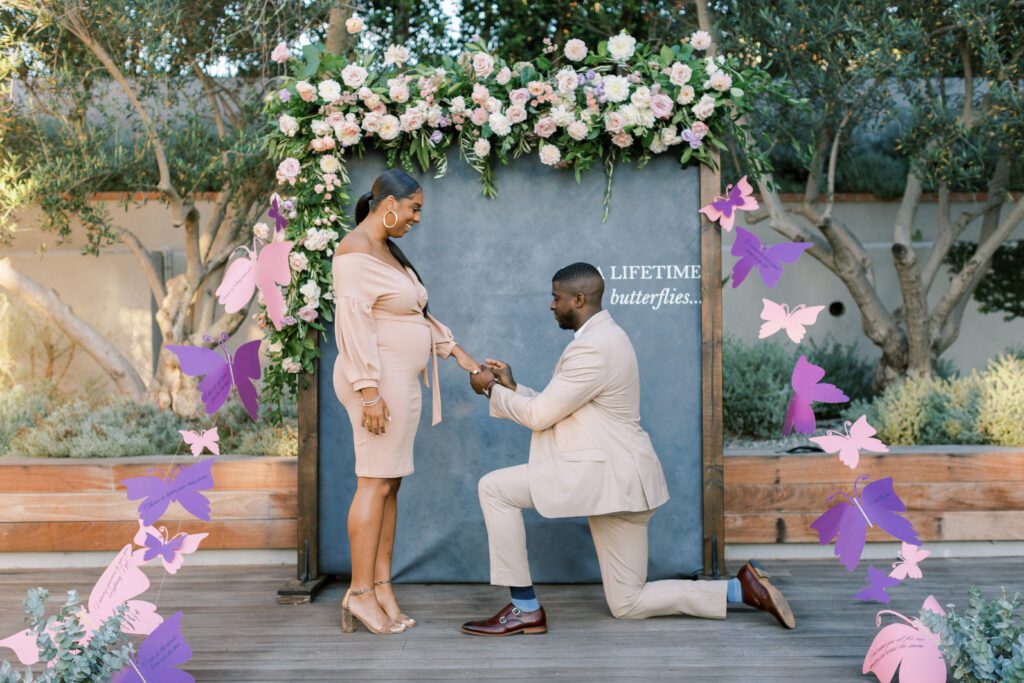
point(564, 323)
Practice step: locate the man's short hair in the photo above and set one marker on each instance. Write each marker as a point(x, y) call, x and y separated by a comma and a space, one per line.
point(578, 272)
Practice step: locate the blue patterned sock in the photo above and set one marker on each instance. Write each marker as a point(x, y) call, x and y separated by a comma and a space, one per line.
point(525, 598)
point(735, 591)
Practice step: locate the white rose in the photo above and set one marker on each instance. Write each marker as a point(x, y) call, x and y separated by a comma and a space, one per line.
point(704, 108)
point(290, 365)
point(261, 231)
point(567, 80)
point(642, 97)
point(621, 47)
point(329, 164)
point(274, 347)
point(658, 145)
point(710, 65)
point(483, 64)
point(354, 25)
point(329, 90)
point(492, 105)
point(288, 125)
point(458, 105)
point(700, 40)
point(396, 54)
point(354, 75)
point(562, 116)
point(372, 122)
point(434, 116)
point(499, 124)
point(320, 127)
point(686, 94)
point(680, 74)
point(516, 114)
point(575, 50)
point(550, 155)
point(481, 148)
point(616, 88)
point(310, 292)
point(390, 127)
point(504, 75)
point(577, 130)
point(348, 133)
point(720, 81)
point(670, 136)
point(298, 261)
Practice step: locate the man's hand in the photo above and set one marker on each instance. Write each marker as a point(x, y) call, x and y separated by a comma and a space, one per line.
point(503, 372)
point(480, 380)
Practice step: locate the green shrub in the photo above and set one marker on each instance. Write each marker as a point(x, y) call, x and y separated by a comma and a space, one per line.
point(845, 367)
point(19, 407)
point(755, 387)
point(985, 643)
point(1002, 405)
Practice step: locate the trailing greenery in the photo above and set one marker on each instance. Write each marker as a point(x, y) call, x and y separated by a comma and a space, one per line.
point(59, 640)
point(985, 642)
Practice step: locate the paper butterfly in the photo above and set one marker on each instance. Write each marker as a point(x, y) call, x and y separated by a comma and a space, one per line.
point(170, 551)
point(848, 522)
point(222, 371)
point(723, 209)
point(207, 439)
point(912, 648)
point(779, 317)
point(280, 222)
point(768, 260)
point(267, 271)
point(183, 484)
point(807, 389)
point(877, 583)
point(911, 556)
point(859, 436)
point(120, 582)
point(159, 654)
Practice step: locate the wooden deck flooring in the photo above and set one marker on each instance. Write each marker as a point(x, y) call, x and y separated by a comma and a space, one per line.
point(238, 633)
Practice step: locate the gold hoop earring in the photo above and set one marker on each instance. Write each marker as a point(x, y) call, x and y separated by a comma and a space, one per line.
point(385, 219)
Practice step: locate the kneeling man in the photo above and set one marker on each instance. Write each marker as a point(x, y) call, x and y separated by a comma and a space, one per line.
point(589, 457)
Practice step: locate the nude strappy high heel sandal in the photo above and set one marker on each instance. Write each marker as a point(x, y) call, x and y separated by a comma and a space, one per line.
point(348, 624)
point(402, 617)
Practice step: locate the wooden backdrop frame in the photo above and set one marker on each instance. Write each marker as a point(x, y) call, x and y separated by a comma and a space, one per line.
point(308, 580)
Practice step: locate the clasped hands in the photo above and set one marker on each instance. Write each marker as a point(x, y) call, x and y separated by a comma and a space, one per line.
point(492, 371)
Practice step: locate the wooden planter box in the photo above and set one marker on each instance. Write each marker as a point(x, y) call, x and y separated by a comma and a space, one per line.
point(67, 504)
point(952, 493)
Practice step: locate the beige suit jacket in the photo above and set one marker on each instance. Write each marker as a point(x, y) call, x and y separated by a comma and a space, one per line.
point(589, 455)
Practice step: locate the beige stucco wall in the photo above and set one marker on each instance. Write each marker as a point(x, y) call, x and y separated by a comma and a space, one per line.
point(112, 295)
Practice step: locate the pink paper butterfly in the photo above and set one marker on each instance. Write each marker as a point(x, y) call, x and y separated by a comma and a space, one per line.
point(171, 551)
point(911, 556)
point(207, 439)
point(911, 647)
point(266, 271)
point(779, 317)
point(860, 436)
point(723, 209)
point(808, 388)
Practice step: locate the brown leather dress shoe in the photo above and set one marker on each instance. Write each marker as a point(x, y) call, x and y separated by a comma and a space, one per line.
point(759, 592)
point(509, 621)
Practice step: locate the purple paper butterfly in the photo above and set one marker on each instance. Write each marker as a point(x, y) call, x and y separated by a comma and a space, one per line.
point(183, 484)
point(807, 389)
point(223, 371)
point(768, 260)
point(163, 650)
point(155, 547)
point(848, 522)
point(275, 213)
point(878, 581)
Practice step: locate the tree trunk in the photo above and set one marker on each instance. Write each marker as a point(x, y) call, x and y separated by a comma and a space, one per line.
point(46, 302)
point(338, 38)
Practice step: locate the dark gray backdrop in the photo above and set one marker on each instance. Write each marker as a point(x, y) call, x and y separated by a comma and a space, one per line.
point(488, 265)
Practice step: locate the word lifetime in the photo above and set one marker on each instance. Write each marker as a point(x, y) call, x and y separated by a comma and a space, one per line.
point(652, 272)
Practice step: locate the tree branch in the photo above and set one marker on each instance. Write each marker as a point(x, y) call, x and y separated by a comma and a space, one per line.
point(832, 159)
point(142, 256)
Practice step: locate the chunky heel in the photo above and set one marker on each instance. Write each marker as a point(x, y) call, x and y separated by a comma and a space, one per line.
point(349, 619)
point(347, 623)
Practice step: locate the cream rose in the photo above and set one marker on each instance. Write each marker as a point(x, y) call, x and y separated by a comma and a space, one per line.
point(686, 94)
point(661, 106)
point(567, 80)
point(622, 139)
point(545, 127)
point(396, 54)
point(306, 91)
point(504, 75)
point(720, 81)
point(621, 47)
point(700, 40)
point(614, 122)
point(483, 64)
point(516, 114)
point(329, 164)
point(329, 90)
point(616, 88)
point(704, 108)
point(550, 155)
point(288, 125)
point(575, 50)
point(481, 148)
point(499, 124)
point(390, 127)
point(577, 130)
point(519, 97)
point(641, 97)
point(680, 74)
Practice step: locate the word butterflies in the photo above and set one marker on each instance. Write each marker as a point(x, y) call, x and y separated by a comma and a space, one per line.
point(268, 271)
point(723, 209)
point(848, 522)
point(222, 371)
point(767, 259)
point(779, 317)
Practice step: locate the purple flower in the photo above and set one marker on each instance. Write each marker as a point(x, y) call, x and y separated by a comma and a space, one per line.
point(443, 122)
point(289, 320)
point(591, 75)
point(436, 137)
point(284, 95)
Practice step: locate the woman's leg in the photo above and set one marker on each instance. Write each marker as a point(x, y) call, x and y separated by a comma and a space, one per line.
point(365, 523)
point(385, 551)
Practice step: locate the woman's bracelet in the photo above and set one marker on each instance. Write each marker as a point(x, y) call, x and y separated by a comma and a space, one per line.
point(367, 404)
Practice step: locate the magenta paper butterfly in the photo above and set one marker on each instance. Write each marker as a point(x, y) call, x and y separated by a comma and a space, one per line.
point(860, 436)
point(280, 221)
point(208, 439)
point(170, 550)
point(847, 522)
point(808, 389)
point(768, 260)
point(221, 371)
point(910, 556)
point(183, 485)
point(159, 655)
point(878, 582)
point(268, 271)
point(723, 209)
point(779, 317)
point(911, 647)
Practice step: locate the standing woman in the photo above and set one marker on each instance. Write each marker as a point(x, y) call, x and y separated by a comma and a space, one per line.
point(386, 339)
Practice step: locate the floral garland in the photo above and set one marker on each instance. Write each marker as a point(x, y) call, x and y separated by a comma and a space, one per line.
point(624, 101)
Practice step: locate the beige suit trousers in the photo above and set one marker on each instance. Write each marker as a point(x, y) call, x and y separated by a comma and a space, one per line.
point(621, 543)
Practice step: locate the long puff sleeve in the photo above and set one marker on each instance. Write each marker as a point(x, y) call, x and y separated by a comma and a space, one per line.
point(354, 327)
point(441, 337)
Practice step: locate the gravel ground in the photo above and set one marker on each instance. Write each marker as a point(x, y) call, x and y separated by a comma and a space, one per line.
point(782, 443)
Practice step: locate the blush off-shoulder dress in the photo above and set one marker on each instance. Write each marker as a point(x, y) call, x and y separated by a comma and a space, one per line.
point(385, 341)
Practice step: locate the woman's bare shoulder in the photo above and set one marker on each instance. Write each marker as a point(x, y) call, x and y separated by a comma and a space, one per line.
point(354, 243)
